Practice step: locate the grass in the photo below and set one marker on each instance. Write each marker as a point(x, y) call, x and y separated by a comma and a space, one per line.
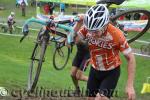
point(16, 65)
point(15, 61)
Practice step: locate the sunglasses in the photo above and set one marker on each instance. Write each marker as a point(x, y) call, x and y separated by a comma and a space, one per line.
point(98, 30)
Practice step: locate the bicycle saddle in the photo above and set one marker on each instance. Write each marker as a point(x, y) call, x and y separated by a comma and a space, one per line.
point(117, 2)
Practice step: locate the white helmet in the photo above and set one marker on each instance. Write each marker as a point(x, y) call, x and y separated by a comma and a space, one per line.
point(12, 13)
point(96, 17)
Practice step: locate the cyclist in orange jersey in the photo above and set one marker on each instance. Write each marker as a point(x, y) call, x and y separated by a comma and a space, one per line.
point(105, 43)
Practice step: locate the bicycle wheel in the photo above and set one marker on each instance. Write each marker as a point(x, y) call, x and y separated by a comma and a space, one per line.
point(37, 59)
point(60, 56)
point(132, 25)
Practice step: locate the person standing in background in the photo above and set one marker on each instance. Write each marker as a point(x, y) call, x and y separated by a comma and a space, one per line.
point(23, 8)
point(46, 9)
point(51, 7)
point(62, 8)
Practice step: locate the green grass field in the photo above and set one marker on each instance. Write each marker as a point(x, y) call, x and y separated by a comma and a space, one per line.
point(15, 60)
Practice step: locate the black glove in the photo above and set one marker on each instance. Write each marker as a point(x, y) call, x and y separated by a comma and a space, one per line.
point(25, 29)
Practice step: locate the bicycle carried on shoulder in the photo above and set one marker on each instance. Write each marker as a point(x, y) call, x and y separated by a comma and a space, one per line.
point(47, 34)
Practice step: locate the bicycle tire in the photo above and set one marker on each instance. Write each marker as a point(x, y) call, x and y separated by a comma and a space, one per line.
point(146, 12)
point(59, 65)
point(33, 82)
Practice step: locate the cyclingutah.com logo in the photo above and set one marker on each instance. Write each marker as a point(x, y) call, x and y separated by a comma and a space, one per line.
point(3, 91)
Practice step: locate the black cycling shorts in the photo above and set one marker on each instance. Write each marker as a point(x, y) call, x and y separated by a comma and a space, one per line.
point(102, 82)
point(80, 60)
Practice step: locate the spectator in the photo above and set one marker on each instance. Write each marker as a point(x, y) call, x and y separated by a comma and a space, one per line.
point(46, 9)
point(23, 8)
point(51, 7)
point(143, 17)
point(10, 21)
point(17, 3)
point(128, 16)
point(137, 16)
point(62, 8)
point(113, 12)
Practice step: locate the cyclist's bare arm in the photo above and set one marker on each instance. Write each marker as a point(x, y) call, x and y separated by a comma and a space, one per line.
point(131, 74)
point(78, 24)
point(77, 27)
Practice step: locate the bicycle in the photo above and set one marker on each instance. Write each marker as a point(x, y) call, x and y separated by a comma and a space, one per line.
point(132, 27)
point(45, 36)
point(4, 28)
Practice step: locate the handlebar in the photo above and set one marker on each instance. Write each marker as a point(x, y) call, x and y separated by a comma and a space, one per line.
point(110, 2)
point(49, 23)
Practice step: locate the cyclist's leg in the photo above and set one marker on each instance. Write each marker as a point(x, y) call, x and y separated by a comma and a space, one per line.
point(92, 84)
point(108, 84)
point(101, 97)
point(10, 28)
point(75, 68)
point(101, 84)
point(80, 76)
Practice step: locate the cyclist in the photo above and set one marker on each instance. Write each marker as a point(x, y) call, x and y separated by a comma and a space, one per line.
point(46, 9)
point(62, 8)
point(80, 61)
point(79, 64)
point(105, 41)
point(10, 21)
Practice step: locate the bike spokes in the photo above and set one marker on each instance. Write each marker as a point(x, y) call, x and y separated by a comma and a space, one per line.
point(37, 59)
point(133, 23)
point(60, 57)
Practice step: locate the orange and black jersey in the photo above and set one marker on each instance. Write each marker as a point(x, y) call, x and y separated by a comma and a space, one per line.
point(104, 51)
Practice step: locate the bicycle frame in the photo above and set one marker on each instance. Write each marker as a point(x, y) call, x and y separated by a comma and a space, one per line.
point(50, 26)
point(42, 42)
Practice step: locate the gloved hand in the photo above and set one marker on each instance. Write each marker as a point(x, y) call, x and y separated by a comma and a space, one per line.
point(71, 38)
point(25, 29)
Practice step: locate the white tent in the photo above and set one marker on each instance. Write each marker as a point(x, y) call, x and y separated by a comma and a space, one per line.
point(20, 1)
